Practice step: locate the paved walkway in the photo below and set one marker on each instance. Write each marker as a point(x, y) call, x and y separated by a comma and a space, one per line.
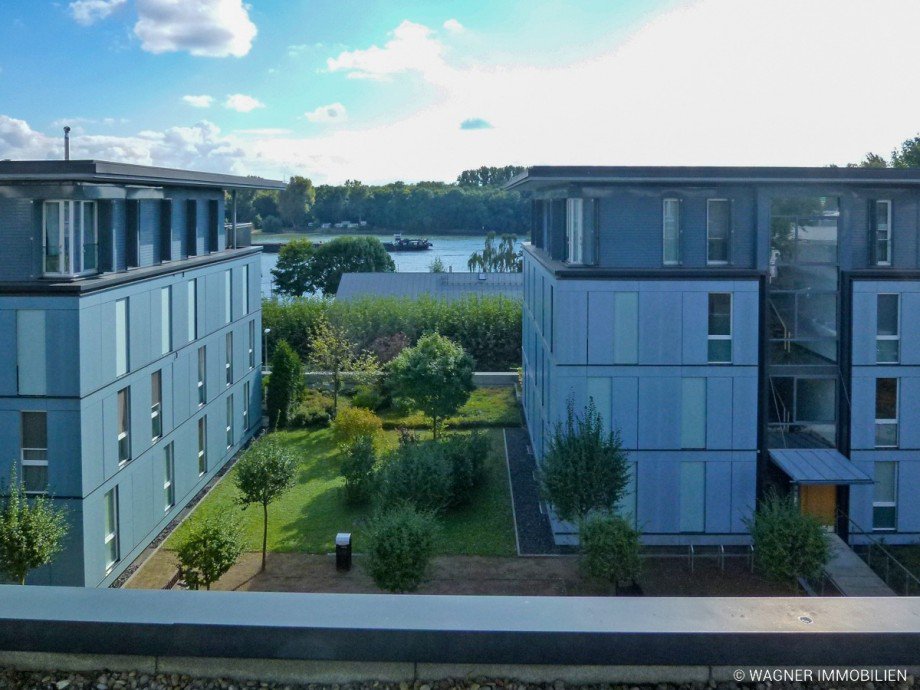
point(851, 574)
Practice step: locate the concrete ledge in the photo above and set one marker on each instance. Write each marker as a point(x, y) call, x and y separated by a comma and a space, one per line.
point(285, 671)
point(579, 675)
point(50, 661)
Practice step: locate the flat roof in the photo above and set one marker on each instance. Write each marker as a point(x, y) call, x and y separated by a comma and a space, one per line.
point(125, 173)
point(818, 466)
point(548, 175)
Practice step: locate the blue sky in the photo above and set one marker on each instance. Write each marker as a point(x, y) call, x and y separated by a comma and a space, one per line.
point(377, 91)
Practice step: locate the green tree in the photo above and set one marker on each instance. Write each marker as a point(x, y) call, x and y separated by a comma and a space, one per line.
point(788, 544)
point(871, 160)
point(32, 531)
point(584, 469)
point(262, 475)
point(435, 376)
point(210, 549)
point(284, 386)
point(488, 176)
point(347, 255)
point(400, 543)
point(333, 352)
point(609, 548)
point(907, 155)
point(295, 200)
point(497, 259)
point(437, 266)
point(265, 204)
point(293, 271)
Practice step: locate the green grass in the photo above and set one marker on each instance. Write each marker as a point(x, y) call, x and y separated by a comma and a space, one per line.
point(307, 518)
point(487, 407)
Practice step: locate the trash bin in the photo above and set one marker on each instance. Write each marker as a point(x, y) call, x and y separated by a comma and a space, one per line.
point(343, 551)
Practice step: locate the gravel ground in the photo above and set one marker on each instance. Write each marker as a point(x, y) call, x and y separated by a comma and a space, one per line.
point(105, 680)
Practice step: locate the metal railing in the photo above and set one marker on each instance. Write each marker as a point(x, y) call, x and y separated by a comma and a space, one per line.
point(895, 574)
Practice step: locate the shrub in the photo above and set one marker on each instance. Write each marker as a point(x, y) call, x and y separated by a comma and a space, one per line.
point(416, 474)
point(272, 224)
point(211, 548)
point(788, 544)
point(387, 347)
point(358, 463)
point(286, 385)
point(367, 396)
point(400, 543)
point(406, 436)
point(465, 456)
point(352, 422)
point(314, 409)
point(584, 469)
point(610, 549)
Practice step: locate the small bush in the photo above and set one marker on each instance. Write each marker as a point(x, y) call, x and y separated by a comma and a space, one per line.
point(358, 463)
point(610, 549)
point(352, 422)
point(416, 474)
point(388, 347)
point(272, 224)
point(210, 549)
point(400, 543)
point(314, 409)
point(407, 436)
point(369, 397)
point(465, 455)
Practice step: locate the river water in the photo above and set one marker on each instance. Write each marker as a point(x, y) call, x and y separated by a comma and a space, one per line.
point(453, 250)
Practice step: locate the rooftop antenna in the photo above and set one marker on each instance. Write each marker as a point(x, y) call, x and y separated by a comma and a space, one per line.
point(67, 143)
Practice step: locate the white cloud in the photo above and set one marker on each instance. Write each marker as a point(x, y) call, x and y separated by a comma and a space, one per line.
point(88, 12)
point(202, 101)
point(411, 48)
point(242, 103)
point(334, 112)
point(453, 26)
point(204, 28)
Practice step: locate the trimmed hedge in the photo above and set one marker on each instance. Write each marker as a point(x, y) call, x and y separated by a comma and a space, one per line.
point(488, 328)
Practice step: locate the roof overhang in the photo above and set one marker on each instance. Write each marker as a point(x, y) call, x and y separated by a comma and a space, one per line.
point(817, 466)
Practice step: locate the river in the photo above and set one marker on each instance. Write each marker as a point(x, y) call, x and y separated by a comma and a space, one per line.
point(453, 250)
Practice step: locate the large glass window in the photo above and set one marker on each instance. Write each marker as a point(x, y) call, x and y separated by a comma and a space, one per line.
point(34, 453)
point(110, 508)
point(202, 385)
point(581, 231)
point(888, 334)
point(156, 405)
point(802, 412)
point(885, 500)
point(121, 337)
point(720, 327)
point(228, 296)
point(692, 496)
point(229, 420)
point(882, 232)
point(245, 289)
point(165, 320)
point(252, 345)
point(886, 413)
point(31, 363)
point(192, 302)
point(718, 230)
point(123, 413)
point(169, 478)
point(670, 211)
point(69, 237)
point(228, 359)
point(202, 445)
point(693, 413)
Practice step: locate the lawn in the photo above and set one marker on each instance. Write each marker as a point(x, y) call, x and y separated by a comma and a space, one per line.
point(307, 518)
point(487, 407)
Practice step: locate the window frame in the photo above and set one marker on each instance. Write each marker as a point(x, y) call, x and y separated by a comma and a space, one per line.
point(166, 339)
point(202, 376)
point(123, 434)
point(664, 231)
point(575, 209)
point(192, 309)
point(228, 296)
point(728, 238)
point(229, 420)
point(245, 290)
point(122, 338)
point(202, 445)
point(883, 422)
point(111, 499)
point(246, 393)
point(888, 338)
point(710, 337)
point(23, 450)
point(876, 240)
point(156, 406)
point(886, 504)
point(70, 235)
point(228, 359)
point(252, 345)
point(169, 477)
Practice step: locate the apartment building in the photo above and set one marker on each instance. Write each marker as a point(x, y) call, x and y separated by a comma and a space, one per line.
point(742, 329)
point(130, 322)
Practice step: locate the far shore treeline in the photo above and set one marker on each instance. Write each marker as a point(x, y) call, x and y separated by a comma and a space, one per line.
point(475, 203)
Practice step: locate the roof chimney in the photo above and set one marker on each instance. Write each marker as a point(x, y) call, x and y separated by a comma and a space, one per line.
point(67, 143)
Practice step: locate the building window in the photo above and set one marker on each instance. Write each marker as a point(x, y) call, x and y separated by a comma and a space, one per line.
point(202, 445)
point(245, 289)
point(229, 421)
point(69, 237)
point(693, 413)
point(169, 478)
point(124, 425)
point(34, 454)
point(692, 496)
point(670, 210)
point(110, 502)
point(228, 360)
point(718, 230)
point(246, 390)
point(886, 413)
point(625, 327)
point(581, 231)
point(165, 320)
point(121, 337)
point(30, 352)
point(720, 327)
point(228, 297)
point(882, 233)
point(202, 387)
point(156, 405)
point(192, 309)
point(888, 337)
point(885, 500)
point(252, 345)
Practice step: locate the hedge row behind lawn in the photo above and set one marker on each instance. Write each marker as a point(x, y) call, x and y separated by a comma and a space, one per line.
point(492, 406)
point(489, 328)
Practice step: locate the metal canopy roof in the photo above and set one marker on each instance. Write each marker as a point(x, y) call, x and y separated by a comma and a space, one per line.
point(818, 466)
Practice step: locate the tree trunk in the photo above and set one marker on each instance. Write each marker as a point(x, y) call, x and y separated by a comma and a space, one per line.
point(22, 580)
point(434, 427)
point(264, 533)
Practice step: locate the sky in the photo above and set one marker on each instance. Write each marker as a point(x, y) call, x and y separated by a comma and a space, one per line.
point(421, 90)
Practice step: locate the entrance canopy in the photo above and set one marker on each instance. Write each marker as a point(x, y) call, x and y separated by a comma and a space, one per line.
point(818, 466)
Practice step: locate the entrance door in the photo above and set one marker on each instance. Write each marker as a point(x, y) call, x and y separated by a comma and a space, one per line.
point(819, 500)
